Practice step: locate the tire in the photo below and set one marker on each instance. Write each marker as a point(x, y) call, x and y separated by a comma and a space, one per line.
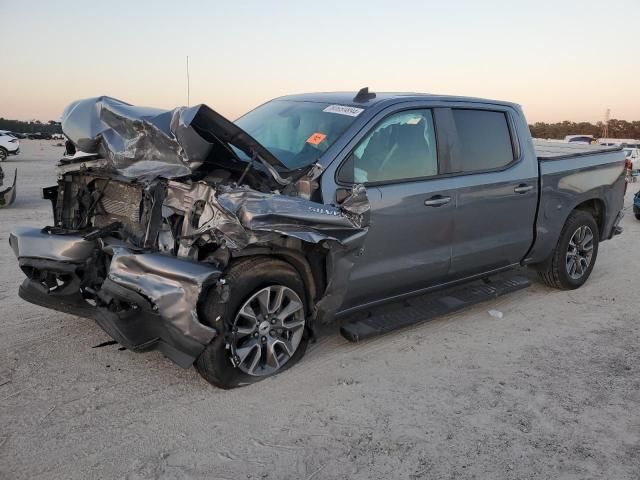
point(637, 215)
point(568, 267)
point(228, 360)
point(3, 154)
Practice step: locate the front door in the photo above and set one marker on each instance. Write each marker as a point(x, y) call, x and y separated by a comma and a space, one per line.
point(408, 245)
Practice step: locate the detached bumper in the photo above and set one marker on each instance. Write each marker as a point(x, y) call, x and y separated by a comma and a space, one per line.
point(146, 301)
point(8, 193)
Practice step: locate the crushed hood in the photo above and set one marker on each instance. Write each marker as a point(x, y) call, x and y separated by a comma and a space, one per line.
point(144, 142)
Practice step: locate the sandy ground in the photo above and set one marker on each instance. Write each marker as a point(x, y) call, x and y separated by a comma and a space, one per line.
point(551, 390)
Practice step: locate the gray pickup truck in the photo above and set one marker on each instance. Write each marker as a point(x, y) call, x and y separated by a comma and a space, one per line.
point(224, 243)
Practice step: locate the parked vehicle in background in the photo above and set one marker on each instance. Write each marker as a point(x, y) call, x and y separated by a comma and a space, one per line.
point(9, 145)
point(636, 205)
point(633, 155)
point(39, 136)
point(580, 139)
point(235, 240)
point(631, 148)
point(623, 142)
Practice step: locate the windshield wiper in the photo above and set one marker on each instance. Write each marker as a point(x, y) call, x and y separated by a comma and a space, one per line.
point(272, 171)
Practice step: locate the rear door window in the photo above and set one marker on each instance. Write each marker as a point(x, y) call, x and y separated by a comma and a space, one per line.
point(400, 147)
point(484, 139)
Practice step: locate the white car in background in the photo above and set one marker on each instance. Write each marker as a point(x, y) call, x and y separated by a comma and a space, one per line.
point(9, 145)
point(624, 142)
point(633, 154)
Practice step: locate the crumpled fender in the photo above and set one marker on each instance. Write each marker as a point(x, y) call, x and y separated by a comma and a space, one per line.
point(238, 217)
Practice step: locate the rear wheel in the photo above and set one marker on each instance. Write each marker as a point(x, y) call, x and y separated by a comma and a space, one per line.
point(3, 154)
point(575, 254)
point(262, 327)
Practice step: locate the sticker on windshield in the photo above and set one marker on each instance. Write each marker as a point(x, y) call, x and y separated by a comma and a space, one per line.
point(344, 110)
point(316, 138)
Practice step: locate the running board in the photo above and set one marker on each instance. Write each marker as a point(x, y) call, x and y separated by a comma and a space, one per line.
point(421, 309)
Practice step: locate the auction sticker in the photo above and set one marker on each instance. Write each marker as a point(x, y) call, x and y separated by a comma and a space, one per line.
point(316, 138)
point(344, 110)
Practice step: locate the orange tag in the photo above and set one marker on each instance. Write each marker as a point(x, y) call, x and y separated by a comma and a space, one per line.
point(316, 138)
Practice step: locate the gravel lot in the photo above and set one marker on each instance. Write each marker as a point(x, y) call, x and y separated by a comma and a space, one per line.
point(551, 390)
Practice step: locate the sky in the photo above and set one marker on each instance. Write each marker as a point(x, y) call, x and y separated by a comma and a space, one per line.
point(560, 60)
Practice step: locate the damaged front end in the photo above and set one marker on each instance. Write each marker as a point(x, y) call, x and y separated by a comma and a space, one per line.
point(150, 209)
point(144, 300)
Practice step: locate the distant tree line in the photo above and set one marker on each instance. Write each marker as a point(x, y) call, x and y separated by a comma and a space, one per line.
point(617, 129)
point(32, 126)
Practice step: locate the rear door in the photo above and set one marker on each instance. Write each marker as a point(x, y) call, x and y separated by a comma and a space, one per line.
point(497, 191)
point(408, 245)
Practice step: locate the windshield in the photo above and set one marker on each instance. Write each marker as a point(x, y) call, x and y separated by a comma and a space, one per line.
point(297, 133)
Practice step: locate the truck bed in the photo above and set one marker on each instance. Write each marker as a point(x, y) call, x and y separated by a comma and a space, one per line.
point(556, 150)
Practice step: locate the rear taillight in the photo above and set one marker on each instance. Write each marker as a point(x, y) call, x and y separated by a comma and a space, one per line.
point(14, 140)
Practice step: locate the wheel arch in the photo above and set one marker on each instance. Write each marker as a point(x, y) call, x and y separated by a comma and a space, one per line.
point(597, 208)
point(542, 254)
point(308, 263)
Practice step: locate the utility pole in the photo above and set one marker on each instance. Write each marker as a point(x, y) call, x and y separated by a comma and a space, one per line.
point(188, 86)
point(605, 127)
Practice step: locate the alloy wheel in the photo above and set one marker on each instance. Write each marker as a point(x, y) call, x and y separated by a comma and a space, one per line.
point(579, 252)
point(267, 330)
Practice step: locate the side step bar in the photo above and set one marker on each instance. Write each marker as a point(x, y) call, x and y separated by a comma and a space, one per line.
point(421, 309)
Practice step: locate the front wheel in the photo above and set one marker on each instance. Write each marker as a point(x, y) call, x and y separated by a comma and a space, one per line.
point(3, 154)
point(575, 254)
point(261, 328)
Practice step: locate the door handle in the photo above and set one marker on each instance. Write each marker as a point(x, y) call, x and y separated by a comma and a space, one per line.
point(437, 201)
point(523, 188)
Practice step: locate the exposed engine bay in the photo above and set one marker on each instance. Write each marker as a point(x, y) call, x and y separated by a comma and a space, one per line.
point(194, 219)
point(151, 207)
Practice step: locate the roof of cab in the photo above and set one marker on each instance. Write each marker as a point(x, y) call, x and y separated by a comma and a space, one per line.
point(348, 98)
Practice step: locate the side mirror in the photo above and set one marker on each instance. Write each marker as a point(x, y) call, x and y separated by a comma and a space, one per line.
point(342, 194)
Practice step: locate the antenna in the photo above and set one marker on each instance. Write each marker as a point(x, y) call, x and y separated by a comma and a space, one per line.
point(188, 86)
point(605, 126)
point(364, 95)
